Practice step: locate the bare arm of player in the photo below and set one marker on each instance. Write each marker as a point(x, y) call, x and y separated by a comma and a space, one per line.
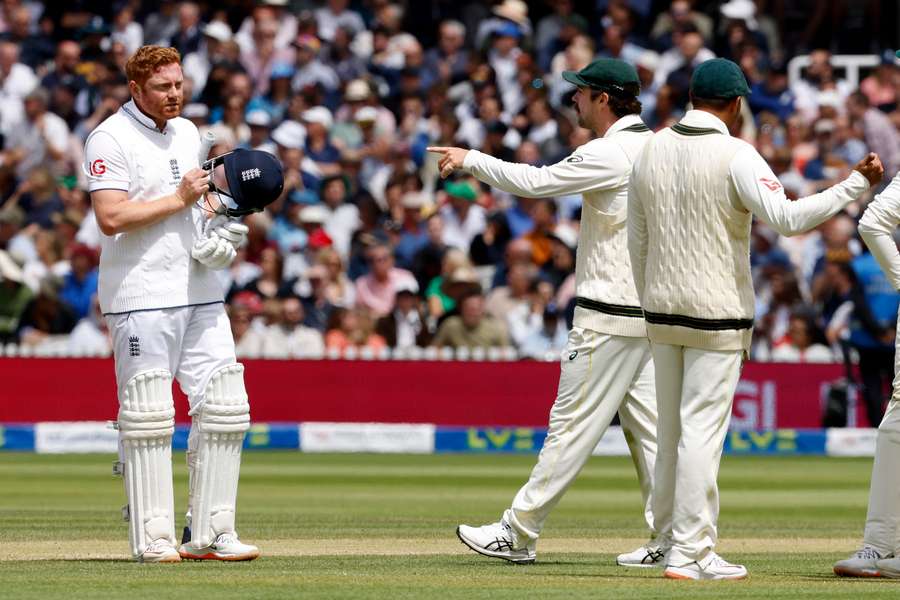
point(116, 214)
point(877, 227)
point(586, 169)
point(762, 194)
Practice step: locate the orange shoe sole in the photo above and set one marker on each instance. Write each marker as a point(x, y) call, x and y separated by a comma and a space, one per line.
point(214, 556)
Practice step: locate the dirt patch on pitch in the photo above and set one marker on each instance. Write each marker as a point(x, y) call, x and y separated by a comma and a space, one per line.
point(107, 550)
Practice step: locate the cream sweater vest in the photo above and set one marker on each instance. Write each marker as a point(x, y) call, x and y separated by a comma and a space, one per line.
point(698, 289)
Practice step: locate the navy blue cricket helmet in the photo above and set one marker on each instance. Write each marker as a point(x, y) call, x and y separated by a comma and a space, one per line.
point(255, 180)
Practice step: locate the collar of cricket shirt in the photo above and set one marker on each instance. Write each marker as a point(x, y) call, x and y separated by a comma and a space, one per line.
point(700, 119)
point(131, 109)
point(628, 122)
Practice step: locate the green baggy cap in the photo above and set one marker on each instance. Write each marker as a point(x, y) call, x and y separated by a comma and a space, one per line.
point(605, 74)
point(719, 78)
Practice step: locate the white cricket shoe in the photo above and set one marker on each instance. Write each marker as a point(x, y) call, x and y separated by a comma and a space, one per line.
point(496, 540)
point(226, 547)
point(861, 564)
point(715, 567)
point(643, 557)
point(887, 567)
point(160, 551)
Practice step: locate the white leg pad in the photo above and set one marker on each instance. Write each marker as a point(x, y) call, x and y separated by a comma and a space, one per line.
point(146, 422)
point(221, 423)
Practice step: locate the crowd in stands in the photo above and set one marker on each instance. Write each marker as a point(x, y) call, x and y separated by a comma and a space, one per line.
point(368, 248)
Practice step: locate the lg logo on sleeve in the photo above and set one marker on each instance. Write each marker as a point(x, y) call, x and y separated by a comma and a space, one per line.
point(98, 168)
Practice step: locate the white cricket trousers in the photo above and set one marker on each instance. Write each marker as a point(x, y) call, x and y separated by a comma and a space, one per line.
point(883, 517)
point(600, 374)
point(694, 393)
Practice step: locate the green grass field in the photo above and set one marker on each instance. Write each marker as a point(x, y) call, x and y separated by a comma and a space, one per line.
point(379, 526)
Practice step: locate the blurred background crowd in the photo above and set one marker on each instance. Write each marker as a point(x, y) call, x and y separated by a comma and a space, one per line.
point(367, 248)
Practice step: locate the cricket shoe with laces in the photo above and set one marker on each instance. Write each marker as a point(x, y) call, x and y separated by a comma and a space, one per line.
point(861, 564)
point(160, 551)
point(496, 540)
point(714, 567)
point(644, 557)
point(888, 567)
point(226, 547)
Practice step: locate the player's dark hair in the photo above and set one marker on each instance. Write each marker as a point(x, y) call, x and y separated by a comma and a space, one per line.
point(622, 104)
point(716, 104)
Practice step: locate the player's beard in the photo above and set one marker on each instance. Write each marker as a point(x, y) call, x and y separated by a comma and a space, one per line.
point(581, 121)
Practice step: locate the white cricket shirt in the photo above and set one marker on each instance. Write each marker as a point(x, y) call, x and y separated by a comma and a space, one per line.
point(151, 267)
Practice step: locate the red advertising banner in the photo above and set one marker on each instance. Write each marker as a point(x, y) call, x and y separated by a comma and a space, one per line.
point(443, 393)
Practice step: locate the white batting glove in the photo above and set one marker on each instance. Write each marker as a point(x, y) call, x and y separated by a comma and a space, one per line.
point(233, 231)
point(214, 252)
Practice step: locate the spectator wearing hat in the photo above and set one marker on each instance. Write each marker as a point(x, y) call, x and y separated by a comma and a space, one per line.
point(290, 338)
point(300, 172)
point(456, 278)
point(307, 237)
point(471, 328)
point(406, 325)
point(79, 286)
point(508, 12)
point(197, 65)
point(411, 235)
point(12, 237)
point(376, 291)
point(310, 71)
point(318, 122)
point(15, 296)
point(463, 217)
point(260, 124)
point(503, 57)
point(41, 138)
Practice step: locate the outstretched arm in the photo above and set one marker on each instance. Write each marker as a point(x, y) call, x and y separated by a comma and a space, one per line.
point(762, 194)
point(590, 167)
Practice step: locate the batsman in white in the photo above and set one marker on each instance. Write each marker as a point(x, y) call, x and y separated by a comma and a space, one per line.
point(166, 315)
point(606, 366)
point(694, 191)
point(880, 553)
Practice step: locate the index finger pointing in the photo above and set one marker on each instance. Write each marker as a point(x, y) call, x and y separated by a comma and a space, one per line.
point(438, 149)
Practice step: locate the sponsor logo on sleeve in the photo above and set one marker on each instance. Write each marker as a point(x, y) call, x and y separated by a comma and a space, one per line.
point(575, 159)
point(773, 185)
point(98, 167)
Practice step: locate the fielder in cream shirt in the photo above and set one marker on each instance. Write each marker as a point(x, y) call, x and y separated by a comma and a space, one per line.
point(880, 552)
point(606, 366)
point(694, 191)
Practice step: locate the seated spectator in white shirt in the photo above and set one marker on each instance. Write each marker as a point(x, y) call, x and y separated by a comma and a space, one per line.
point(503, 300)
point(406, 326)
point(800, 344)
point(291, 338)
point(40, 139)
point(463, 217)
point(248, 340)
point(91, 335)
point(546, 342)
